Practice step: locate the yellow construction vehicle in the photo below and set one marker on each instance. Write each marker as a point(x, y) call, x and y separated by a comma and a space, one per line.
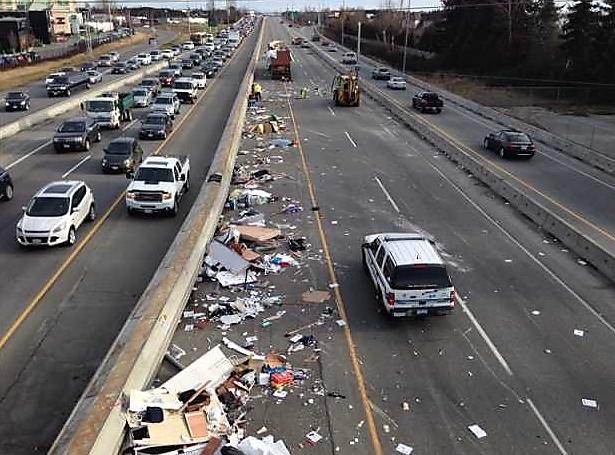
point(345, 90)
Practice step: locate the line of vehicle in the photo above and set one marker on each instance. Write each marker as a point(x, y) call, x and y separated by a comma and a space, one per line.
point(354, 144)
point(76, 166)
point(83, 243)
point(354, 357)
point(387, 194)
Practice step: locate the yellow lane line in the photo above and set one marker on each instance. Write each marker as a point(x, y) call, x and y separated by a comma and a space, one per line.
point(341, 306)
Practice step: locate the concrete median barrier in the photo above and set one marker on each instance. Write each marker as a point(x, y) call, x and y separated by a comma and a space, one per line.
point(22, 124)
point(97, 425)
point(598, 250)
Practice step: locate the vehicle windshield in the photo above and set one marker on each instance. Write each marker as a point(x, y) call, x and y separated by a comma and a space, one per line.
point(139, 93)
point(420, 277)
point(164, 100)
point(397, 79)
point(148, 83)
point(48, 206)
point(60, 80)
point(430, 96)
point(118, 148)
point(518, 137)
point(93, 73)
point(155, 120)
point(142, 56)
point(154, 174)
point(105, 57)
point(14, 95)
point(197, 76)
point(183, 85)
point(72, 127)
point(99, 106)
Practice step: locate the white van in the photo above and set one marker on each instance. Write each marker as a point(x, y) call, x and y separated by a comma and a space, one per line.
point(409, 275)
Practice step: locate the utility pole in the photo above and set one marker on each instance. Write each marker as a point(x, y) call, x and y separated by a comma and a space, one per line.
point(358, 41)
point(406, 25)
point(509, 22)
point(188, 9)
point(343, 17)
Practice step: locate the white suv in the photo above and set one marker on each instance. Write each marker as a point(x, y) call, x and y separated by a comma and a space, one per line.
point(55, 213)
point(187, 45)
point(409, 275)
point(144, 59)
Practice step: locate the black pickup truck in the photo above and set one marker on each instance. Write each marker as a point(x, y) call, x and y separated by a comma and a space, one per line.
point(65, 85)
point(428, 101)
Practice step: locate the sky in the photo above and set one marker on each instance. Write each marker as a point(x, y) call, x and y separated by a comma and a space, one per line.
point(280, 5)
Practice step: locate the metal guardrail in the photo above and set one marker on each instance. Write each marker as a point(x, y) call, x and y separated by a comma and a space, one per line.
point(97, 425)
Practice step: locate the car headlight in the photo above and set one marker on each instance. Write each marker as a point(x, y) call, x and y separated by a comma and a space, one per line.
point(19, 229)
point(104, 161)
point(130, 195)
point(126, 162)
point(59, 228)
point(7, 104)
point(166, 196)
point(23, 103)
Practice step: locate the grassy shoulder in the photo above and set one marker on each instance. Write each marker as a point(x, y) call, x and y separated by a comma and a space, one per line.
point(19, 77)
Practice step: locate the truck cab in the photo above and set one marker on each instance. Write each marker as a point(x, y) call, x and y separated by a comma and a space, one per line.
point(158, 185)
point(109, 109)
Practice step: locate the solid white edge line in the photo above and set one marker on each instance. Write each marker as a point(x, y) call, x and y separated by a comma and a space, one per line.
point(546, 426)
point(546, 269)
point(386, 193)
point(27, 155)
point(67, 173)
point(354, 144)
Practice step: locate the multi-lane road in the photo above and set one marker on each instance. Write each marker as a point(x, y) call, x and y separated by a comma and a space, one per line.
point(533, 331)
point(61, 308)
point(39, 99)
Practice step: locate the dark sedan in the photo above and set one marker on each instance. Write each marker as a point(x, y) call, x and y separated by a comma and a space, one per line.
point(196, 58)
point(510, 143)
point(88, 66)
point(187, 63)
point(6, 185)
point(76, 134)
point(17, 101)
point(209, 70)
point(123, 154)
point(156, 126)
point(120, 68)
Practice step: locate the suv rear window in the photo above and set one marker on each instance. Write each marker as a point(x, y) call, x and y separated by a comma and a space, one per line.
point(420, 277)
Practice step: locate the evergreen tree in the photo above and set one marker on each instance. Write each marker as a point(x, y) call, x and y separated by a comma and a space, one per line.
point(580, 37)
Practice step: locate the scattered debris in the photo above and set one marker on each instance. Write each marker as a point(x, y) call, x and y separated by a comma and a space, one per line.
point(315, 296)
point(404, 449)
point(589, 403)
point(477, 431)
point(579, 332)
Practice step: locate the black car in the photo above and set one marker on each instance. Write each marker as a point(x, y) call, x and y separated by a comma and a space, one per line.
point(196, 58)
point(509, 143)
point(6, 185)
point(187, 63)
point(152, 83)
point(381, 73)
point(156, 126)
point(209, 70)
point(76, 134)
point(123, 154)
point(120, 68)
point(87, 66)
point(17, 101)
point(221, 55)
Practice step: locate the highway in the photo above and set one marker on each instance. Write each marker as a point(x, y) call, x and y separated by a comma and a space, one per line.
point(508, 359)
point(61, 308)
point(39, 99)
point(578, 192)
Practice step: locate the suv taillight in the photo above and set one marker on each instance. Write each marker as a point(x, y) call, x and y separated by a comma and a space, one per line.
point(390, 299)
point(453, 298)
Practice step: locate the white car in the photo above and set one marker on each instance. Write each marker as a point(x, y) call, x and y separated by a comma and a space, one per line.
point(144, 58)
point(200, 79)
point(187, 45)
point(349, 58)
point(209, 47)
point(54, 214)
point(396, 83)
point(49, 79)
point(143, 96)
point(167, 53)
point(156, 55)
point(94, 76)
point(115, 56)
point(105, 60)
point(168, 103)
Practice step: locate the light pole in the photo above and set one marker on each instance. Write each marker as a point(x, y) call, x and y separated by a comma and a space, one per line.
point(406, 24)
point(358, 41)
point(188, 8)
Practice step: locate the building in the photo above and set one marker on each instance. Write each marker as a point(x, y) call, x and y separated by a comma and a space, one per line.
point(63, 14)
point(13, 34)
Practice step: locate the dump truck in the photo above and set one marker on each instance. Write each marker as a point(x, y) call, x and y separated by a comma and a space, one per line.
point(345, 90)
point(109, 109)
point(279, 63)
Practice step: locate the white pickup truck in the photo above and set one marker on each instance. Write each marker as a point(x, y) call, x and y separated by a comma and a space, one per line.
point(158, 185)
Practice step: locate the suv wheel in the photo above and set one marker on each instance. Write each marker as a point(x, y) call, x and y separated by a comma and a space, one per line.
point(86, 145)
point(98, 136)
point(8, 192)
point(92, 212)
point(187, 184)
point(68, 92)
point(175, 209)
point(72, 236)
point(502, 152)
point(486, 144)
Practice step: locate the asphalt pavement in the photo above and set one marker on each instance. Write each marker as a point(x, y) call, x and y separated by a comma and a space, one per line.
point(62, 308)
point(532, 335)
point(577, 192)
point(38, 94)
